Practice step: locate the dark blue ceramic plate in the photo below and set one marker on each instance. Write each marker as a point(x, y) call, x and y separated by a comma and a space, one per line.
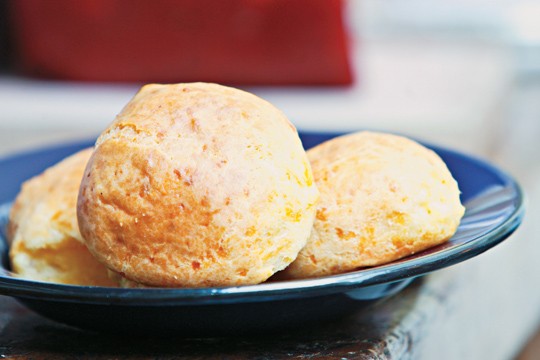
point(494, 203)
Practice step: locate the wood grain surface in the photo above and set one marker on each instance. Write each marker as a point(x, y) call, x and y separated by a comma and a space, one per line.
point(382, 330)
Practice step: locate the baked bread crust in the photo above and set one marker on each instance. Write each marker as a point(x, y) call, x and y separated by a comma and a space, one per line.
point(45, 241)
point(383, 197)
point(197, 185)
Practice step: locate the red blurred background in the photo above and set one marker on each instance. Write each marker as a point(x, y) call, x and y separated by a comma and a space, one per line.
point(239, 42)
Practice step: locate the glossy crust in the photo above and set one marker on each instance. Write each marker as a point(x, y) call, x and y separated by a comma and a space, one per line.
point(45, 241)
point(197, 185)
point(383, 197)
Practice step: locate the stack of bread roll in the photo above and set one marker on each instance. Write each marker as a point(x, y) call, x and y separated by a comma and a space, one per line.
point(202, 185)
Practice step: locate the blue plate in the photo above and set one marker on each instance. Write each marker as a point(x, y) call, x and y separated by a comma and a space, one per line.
point(494, 209)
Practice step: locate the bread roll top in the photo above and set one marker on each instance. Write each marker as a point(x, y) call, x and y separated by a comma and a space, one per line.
point(383, 197)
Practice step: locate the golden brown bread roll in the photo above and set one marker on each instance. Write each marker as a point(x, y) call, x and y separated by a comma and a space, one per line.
point(45, 241)
point(383, 197)
point(197, 185)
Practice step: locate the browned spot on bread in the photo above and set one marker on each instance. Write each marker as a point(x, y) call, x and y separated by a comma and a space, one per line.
point(143, 190)
point(307, 175)
point(204, 202)
point(321, 214)
point(194, 125)
point(398, 242)
point(56, 215)
point(186, 179)
point(242, 272)
point(125, 125)
point(345, 235)
point(251, 231)
point(222, 252)
point(396, 217)
point(293, 215)
point(195, 265)
point(160, 135)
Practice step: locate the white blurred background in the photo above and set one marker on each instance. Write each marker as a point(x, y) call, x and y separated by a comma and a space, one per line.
point(444, 71)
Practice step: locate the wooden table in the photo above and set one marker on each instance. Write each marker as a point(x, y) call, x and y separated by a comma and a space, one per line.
point(387, 328)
